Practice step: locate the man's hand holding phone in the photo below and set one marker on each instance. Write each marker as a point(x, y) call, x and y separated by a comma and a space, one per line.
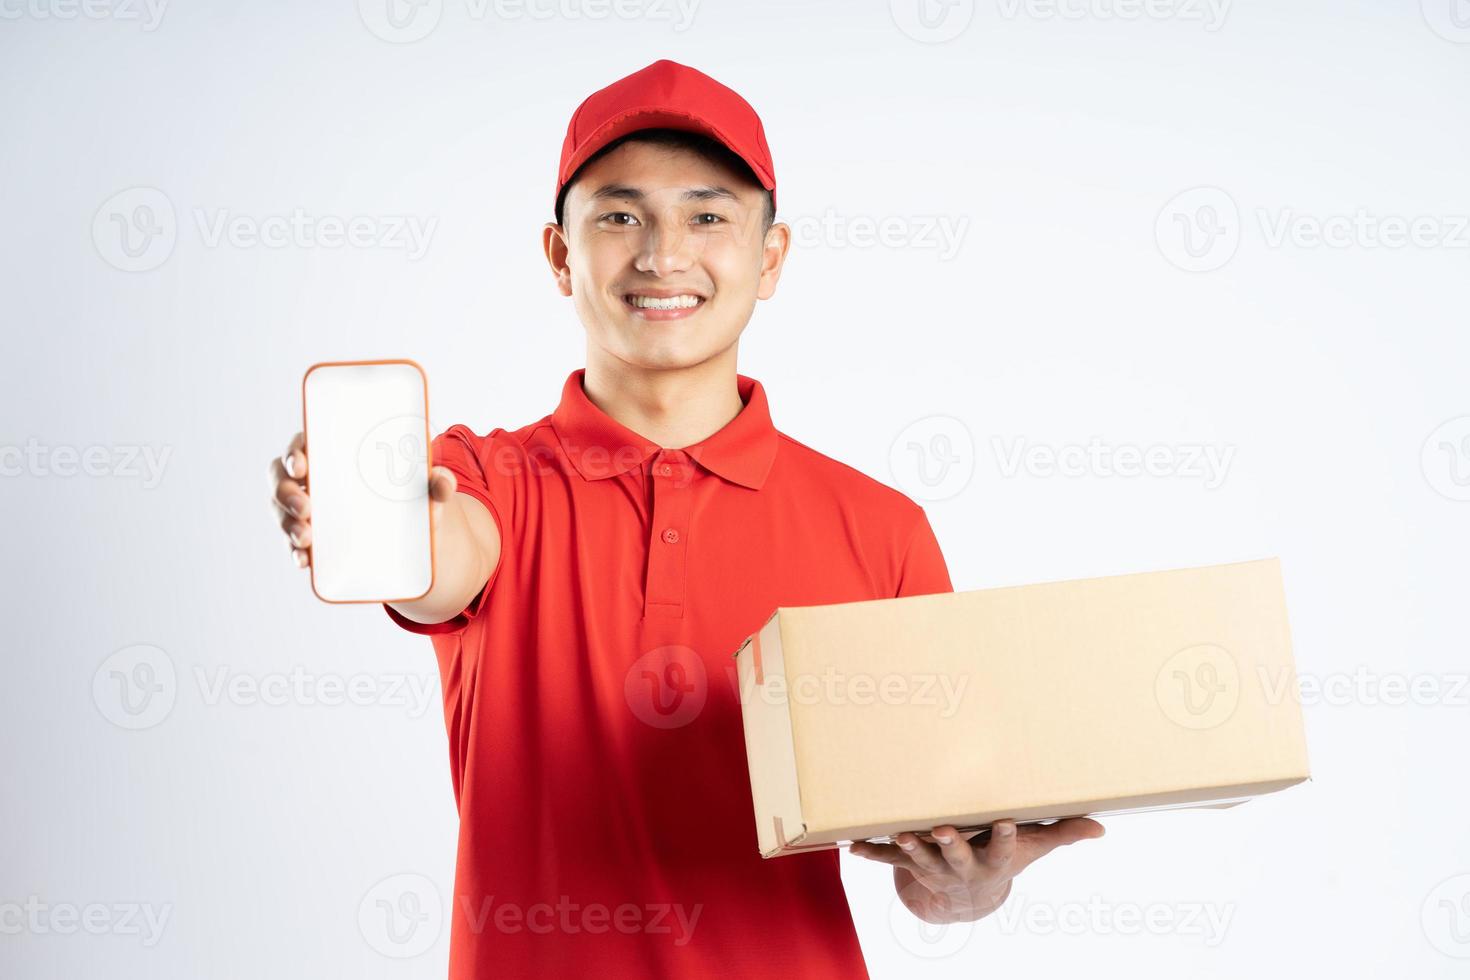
point(380, 540)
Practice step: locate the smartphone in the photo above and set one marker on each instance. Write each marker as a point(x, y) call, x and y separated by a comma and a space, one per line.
point(366, 426)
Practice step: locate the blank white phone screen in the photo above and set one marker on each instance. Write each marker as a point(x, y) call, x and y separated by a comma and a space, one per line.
point(367, 474)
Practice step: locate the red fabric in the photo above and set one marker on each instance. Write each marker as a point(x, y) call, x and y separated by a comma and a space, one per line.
point(594, 723)
point(666, 94)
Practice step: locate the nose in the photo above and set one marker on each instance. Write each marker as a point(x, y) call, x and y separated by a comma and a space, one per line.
point(667, 247)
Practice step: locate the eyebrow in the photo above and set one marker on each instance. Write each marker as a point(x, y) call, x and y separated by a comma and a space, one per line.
point(626, 192)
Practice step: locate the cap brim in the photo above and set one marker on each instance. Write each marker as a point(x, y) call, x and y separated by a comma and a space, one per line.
point(632, 120)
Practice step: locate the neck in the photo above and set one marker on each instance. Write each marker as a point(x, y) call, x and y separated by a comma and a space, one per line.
point(673, 408)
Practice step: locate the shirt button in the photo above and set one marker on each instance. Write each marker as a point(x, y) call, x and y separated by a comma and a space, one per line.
point(665, 469)
point(671, 535)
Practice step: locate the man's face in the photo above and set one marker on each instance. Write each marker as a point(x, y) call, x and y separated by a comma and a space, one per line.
point(663, 255)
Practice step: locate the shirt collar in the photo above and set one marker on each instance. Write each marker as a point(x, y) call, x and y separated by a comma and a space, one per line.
point(599, 446)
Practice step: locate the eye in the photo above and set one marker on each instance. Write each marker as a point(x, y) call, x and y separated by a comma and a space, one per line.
point(699, 218)
point(615, 216)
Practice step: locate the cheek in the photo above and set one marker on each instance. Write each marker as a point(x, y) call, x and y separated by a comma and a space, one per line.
point(597, 263)
point(733, 267)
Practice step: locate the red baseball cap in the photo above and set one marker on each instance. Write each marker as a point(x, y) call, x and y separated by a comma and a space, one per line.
point(666, 95)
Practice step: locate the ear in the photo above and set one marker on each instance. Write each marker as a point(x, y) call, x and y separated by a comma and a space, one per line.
point(554, 243)
point(773, 258)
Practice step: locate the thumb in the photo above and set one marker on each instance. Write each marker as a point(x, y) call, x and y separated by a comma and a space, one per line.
point(442, 484)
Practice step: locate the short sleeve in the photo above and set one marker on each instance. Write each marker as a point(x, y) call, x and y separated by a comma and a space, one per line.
point(471, 459)
point(923, 570)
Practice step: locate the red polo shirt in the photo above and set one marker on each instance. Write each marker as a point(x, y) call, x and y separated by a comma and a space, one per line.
point(594, 723)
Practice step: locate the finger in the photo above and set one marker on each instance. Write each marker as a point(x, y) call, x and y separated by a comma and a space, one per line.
point(925, 856)
point(1001, 848)
point(442, 484)
point(1035, 842)
point(303, 558)
point(288, 494)
point(882, 853)
point(957, 852)
point(294, 457)
point(298, 531)
point(1063, 832)
point(281, 480)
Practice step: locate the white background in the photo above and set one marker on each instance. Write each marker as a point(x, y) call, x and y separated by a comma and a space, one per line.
point(1070, 309)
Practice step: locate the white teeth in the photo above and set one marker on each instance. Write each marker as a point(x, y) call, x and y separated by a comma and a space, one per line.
point(683, 302)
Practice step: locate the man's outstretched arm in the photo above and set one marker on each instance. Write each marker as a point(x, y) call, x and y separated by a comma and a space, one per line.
point(466, 539)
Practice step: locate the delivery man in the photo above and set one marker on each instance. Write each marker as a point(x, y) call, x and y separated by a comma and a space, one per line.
point(595, 570)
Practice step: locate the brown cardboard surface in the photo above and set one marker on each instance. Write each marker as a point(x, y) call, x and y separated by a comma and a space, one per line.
point(1089, 696)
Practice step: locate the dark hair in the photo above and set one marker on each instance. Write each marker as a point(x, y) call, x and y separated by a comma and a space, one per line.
point(708, 147)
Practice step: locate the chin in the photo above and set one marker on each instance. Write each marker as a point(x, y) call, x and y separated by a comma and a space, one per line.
point(664, 360)
point(660, 353)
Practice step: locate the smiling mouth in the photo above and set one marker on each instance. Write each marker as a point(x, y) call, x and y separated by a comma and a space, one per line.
point(684, 301)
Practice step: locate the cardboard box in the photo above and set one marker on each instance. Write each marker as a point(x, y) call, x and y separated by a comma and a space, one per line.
point(1085, 697)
